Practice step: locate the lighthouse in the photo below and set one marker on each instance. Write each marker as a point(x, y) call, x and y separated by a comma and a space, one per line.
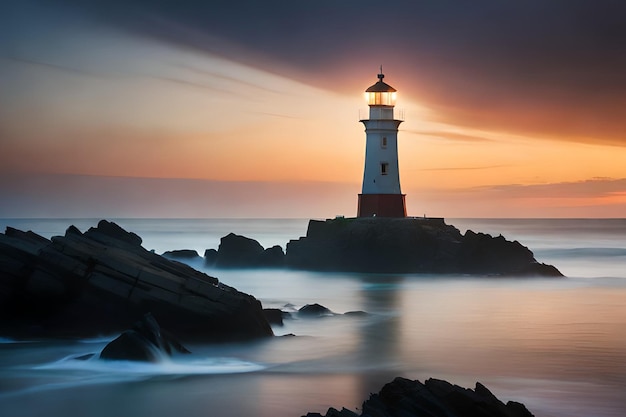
point(381, 195)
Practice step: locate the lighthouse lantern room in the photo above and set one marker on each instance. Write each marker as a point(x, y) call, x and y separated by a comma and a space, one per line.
point(381, 195)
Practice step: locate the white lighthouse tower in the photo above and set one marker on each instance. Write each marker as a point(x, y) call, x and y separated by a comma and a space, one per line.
point(381, 195)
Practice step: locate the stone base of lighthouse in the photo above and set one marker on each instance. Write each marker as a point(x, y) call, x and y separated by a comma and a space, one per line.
point(381, 205)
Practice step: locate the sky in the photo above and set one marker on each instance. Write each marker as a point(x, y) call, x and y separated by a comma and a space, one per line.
point(148, 108)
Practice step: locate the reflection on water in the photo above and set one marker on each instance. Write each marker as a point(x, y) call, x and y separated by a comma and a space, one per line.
point(558, 346)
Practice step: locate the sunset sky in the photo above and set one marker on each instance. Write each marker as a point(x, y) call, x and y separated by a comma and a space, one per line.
point(147, 108)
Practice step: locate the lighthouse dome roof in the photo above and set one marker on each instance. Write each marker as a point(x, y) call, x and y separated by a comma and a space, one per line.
point(381, 86)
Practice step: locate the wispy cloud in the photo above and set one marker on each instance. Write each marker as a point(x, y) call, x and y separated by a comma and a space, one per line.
point(53, 66)
point(596, 197)
point(591, 188)
point(188, 83)
point(453, 136)
point(216, 75)
point(469, 168)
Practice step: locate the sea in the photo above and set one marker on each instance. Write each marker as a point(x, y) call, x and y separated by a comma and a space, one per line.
point(558, 345)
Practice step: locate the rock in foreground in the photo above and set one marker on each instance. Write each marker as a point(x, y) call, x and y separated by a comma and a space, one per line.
point(145, 342)
point(409, 245)
point(102, 281)
point(434, 398)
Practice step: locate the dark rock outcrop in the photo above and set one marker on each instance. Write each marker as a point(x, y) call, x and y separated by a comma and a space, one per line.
point(408, 245)
point(314, 310)
point(276, 315)
point(237, 251)
point(102, 281)
point(210, 257)
point(145, 342)
point(434, 398)
point(272, 257)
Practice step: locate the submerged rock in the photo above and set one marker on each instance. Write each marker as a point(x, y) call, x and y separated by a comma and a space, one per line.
point(181, 254)
point(356, 313)
point(408, 245)
point(314, 310)
point(102, 281)
point(434, 398)
point(145, 341)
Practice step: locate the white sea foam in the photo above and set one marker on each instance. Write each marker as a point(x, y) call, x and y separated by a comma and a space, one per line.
point(196, 366)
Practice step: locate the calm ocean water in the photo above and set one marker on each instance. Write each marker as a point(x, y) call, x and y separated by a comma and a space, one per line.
point(557, 345)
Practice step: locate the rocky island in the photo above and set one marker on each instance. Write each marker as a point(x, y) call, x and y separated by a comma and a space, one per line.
point(387, 245)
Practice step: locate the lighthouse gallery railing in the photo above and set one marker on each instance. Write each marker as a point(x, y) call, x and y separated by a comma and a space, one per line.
point(381, 113)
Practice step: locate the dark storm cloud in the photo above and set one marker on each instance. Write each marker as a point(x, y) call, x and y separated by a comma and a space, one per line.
point(552, 67)
point(517, 36)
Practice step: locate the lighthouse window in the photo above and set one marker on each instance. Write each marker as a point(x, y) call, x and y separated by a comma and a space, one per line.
point(383, 142)
point(384, 168)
